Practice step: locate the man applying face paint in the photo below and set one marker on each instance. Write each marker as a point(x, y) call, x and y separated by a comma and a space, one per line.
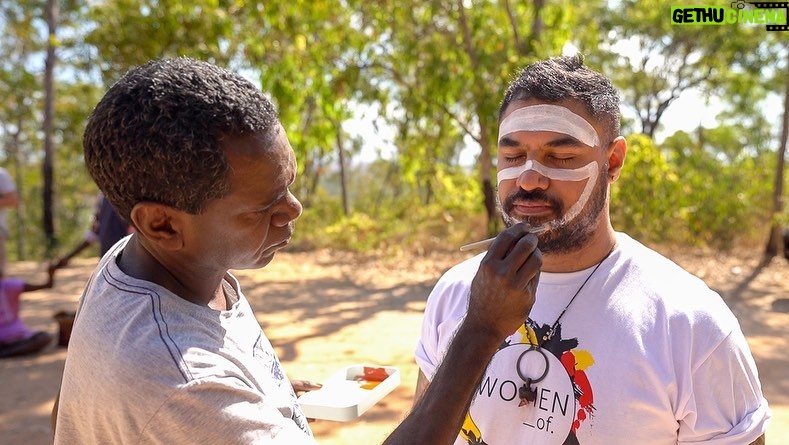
point(621, 346)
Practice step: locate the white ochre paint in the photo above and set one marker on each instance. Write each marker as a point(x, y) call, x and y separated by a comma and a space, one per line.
point(589, 171)
point(547, 117)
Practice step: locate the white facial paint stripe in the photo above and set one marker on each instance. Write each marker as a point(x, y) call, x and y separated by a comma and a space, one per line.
point(575, 210)
point(547, 117)
point(558, 174)
point(590, 171)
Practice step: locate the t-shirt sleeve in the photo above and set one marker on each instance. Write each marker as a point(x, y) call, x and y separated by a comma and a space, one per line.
point(726, 405)
point(426, 353)
point(445, 310)
point(6, 183)
point(221, 410)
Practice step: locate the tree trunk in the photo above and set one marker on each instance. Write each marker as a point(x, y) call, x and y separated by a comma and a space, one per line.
point(775, 242)
point(16, 158)
point(488, 190)
point(49, 100)
point(343, 175)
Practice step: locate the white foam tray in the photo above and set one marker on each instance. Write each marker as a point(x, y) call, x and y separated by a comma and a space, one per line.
point(342, 399)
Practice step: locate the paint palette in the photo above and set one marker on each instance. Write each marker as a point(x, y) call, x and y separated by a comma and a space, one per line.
point(349, 392)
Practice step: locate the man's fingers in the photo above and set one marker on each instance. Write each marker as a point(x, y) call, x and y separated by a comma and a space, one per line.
point(530, 268)
point(304, 385)
point(506, 240)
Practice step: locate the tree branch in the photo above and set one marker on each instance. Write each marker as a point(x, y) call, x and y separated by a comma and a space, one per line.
point(399, 79)
point(513, 23)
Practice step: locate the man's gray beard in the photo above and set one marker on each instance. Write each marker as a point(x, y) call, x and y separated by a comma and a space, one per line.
point(572, 235)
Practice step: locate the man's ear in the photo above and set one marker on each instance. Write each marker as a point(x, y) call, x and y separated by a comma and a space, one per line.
point(159, 224)
point(616, 157)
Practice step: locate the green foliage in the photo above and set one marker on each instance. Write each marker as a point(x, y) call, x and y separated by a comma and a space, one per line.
point(435, 71)
point(643, 200)
point(127, 33)
point(21, 109)
point(663, 61)
point(394, 218)
point(724, 180)
point(688, 192)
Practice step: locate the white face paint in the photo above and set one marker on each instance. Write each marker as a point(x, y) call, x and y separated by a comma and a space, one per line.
point(558, 119)
point(589, 171)
point(547, 117)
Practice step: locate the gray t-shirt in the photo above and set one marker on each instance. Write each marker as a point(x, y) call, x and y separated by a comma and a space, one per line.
point(145, 366)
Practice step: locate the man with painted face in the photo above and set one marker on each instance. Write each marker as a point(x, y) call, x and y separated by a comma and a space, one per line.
point(622, 346)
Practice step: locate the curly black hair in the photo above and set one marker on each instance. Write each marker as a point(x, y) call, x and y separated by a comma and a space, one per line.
point(567, 77)
point(156, 134)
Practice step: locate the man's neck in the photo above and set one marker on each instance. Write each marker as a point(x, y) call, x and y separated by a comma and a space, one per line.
point(139, 262)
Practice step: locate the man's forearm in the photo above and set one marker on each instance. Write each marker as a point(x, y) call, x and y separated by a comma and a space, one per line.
point(438, 415)
point(501, 296)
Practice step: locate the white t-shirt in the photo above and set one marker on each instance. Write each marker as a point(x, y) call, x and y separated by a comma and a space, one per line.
point(646, 354)
point(145, 366)
point(6, 186)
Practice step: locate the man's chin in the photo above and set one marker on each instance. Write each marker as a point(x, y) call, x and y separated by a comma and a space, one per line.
point(510, 221)
point(265, 260)
point(258, 263)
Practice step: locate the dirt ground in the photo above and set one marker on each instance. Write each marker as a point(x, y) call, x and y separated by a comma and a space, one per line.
point(324, 311)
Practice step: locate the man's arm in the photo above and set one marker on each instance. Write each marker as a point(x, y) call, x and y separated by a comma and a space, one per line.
point(759, 441)
point(30, 287)
point(64, 260)
point(438, 416)
point(500, 300)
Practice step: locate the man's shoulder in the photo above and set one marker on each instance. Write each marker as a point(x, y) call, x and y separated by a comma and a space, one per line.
point(679, 292)
point(653, 263)
point(464, 270)
point(451, 290)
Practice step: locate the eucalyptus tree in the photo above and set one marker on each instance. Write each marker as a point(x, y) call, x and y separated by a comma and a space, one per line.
point(127, 33)
point(52, 17)
point(653, 61)
point(20, 96)
point(447, 63)
point(301, 52)
point(308, 54)
point(40, 133)
point(776, 241)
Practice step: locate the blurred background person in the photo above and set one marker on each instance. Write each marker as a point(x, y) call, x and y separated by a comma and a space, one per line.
point(8, 199)
point(15, 337)
point(107, 229)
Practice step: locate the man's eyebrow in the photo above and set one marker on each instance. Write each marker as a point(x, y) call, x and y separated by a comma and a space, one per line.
point(566, 141)
point(507, 141)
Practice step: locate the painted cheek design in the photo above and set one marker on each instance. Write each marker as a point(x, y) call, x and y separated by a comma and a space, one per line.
point(556, 174)
point(589, 171)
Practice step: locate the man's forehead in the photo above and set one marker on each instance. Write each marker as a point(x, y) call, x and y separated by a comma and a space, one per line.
point(548, 117)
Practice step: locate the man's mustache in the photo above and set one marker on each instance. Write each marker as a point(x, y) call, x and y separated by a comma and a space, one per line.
point(531, 196)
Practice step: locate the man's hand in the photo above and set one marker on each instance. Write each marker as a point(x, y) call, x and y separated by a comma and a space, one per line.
point(504, 289)
point(302, 386)
point(502, 295)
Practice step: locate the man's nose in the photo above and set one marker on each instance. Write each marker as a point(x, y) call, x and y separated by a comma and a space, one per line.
point(532, 180)
point(290, 211)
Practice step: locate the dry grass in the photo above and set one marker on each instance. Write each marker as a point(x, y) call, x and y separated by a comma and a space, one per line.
point(324, 310)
